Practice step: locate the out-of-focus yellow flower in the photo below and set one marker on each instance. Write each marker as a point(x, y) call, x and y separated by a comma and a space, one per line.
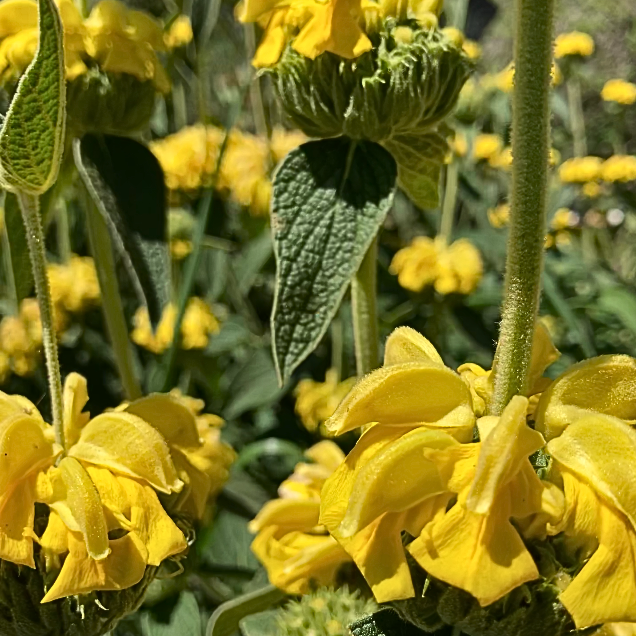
point(487, 146)
point(472, 49)
point(74, 285)
point(317, 401)
point(620, 91)
point(290, 542)
point(562, 220)
point(179, 34)
point(499, 216)
point(459, 145)
point(454, 268)
point(414, 459)
point(501, 160)
point(198, 324)
point(591, 189)
point(505, 79)
point(574, 43)
point(580, 169)
point(180, 248)
point(619, 168)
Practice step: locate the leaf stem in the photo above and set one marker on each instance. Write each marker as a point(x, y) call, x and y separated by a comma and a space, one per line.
point(30, 207)
point(102, 250)
point(450, 199)
point(577, 121)
point(530, 137)
point(364, 310)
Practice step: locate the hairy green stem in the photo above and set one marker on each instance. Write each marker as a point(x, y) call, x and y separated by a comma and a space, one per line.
point(450, 199)
point(364, 310)
point(102, 250)
point(577, 121)
point(30, 207)
point(530, 145)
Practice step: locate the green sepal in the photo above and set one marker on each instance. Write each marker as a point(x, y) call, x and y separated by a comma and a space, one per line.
point(126, 183)
point(330, 199)
point(32, 134)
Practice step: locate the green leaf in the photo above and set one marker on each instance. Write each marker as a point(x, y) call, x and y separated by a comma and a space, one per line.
point(185, 620)
point(226, 618)
point(420, 159)
point(32, 135)
point(18, 253)
point(126, 183)
point(330, 198)
point(261, 624)
point(620, 303)
point(386, 622)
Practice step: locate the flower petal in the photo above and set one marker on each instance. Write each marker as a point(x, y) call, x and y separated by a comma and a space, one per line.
point(606, 384)
point(327, 454)
point(601, 451)
point(127, 445)
point(17, 512)
point(292, 514)
point(407, 345)
point(406, 393)
point(124, 566)
point(544, 353)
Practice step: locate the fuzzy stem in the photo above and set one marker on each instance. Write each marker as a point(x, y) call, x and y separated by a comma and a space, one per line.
point(364, 310)
point(450, 199)
point(30, 207)
point(102, 250)
point(530, 137)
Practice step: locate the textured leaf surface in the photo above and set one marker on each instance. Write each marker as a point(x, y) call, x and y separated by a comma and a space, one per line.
point(328, 205)
point(126, 183)
point(31, 138)
point(262, 624)
point(185, 620)
point(18, 252)
point(383, 623)
point(420, 159)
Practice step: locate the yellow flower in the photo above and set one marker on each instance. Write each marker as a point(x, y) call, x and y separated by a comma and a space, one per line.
point(620, 91)
point(505, 79)
point(499, 216)
point(179, 34)
point(472, 49)
point(580, 169)
point(619, 168)
point(486, 146)
point(459, 145)
point(563, 219)
point(294, 548)
point(316, 401)
point(198, 324)
point(74, 285)
point(574, 43)
point(501, 160)
point(456, 268)
point(180, 248)
point(591, 189)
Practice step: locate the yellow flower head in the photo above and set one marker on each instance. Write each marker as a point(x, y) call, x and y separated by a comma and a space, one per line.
point(501, 160)
point(472, 49)
point(294, 548)
point(74, 285)
point(580, 169)
point(487, 146)
point(505, 79)
point(499, 216)
point(575, 43)
point(619, 168)
point(562, 220)
point(179, 34)
point(591, 189)
point(456, 268)
point(316, 401)
point(620, 91)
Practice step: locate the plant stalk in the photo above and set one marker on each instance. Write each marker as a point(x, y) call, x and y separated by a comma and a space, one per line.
point(30, 208)
point(365, 313)
point(102, 251)
point(450, 200)
point(577, 120)
point(530, 146)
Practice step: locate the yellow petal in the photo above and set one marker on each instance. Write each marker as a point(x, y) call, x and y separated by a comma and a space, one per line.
point(287, 513)
point(17, 15)
point(501, 455)
point(251, 10)
point(606, 384)
point(327, 454)
point(124, 566)
point(17, 512)
point(404, 393)
point(127, 445)
point(77, 502)
point(169, 416)
point(75, 398)
point(544, 353)
point(394, 480)
point(601, 451)
point(55, 537)
point(407, 345)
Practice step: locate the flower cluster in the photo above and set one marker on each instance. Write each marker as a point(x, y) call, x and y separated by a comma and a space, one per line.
point(294, 548)
point(198, 324)
point(620, 91)
point(432, 463)
point(317, 401)
point(74, 290)
point(189, 160)
point(451, 269)
point(105, 523)
point(575, 43)
point(113, 37)
point(589, 170)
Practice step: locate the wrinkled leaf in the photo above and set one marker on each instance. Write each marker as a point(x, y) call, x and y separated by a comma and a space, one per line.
point(18, 252)
point(126, 183)
point(32, 135)
point(328, 205)
point(383, 623)
point(185, 620)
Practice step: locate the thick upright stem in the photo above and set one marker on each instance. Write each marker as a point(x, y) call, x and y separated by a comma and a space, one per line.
point(30, 207)
point(365, 314)
point(102, 251)
point(530, 137)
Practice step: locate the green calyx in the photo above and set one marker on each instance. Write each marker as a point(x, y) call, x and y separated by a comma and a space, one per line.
point(109, 103)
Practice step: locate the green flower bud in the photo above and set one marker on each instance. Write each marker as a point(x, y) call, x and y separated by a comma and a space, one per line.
point(109, 103)
point(407, 84)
